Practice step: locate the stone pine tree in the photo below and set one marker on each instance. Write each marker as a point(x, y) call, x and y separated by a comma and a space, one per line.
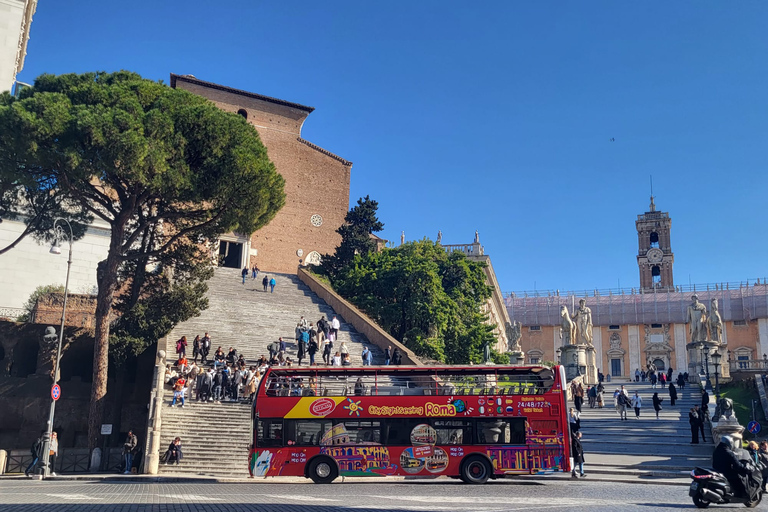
point(138, 155)
point(359, 224)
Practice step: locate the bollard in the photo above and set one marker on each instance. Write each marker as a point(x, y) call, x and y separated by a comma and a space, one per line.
point(3, 461)
point(95, 460)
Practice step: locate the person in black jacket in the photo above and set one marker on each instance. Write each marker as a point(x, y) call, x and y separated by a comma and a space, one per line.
point(37, 446)
point(578, 455)
point(726, 462)
point(657, 404)
point(702, 416)
point(693, 419)
point(672, 393)
point(174, 452)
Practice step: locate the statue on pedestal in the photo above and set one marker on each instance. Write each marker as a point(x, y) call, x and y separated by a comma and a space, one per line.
point(439, 236)
point(514, 334)
point(487, 353)
point(583, 322)
point(696, 316)
point(715, 323)
point(567, 328)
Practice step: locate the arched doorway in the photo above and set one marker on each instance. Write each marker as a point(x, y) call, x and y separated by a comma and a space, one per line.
point(659, 364)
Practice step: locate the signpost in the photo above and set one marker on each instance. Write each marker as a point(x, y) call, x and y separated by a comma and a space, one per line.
point(106, 429)
point(55, 392)
point(754, 427)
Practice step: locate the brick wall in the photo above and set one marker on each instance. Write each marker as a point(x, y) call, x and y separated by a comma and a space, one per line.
point(316, 181)
point(81, 310)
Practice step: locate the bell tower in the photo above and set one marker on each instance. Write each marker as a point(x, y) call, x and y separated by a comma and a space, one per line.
point(654, 250)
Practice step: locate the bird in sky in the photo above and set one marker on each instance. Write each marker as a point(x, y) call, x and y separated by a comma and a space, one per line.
point(612, 139)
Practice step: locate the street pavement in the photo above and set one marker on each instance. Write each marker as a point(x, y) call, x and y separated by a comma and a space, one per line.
point(360, 495)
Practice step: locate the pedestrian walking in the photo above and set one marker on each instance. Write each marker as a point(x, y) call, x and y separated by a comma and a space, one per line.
point(637, 403)
point(255, 271)
point(578, 455)
point(600, 391)
point(577, 392)
point(265, 282)
point(35, 450)
point(335, 325)
point(129, 450)
point(387, 356)
point(312, 350)
point(181, 346)
point(592, 396)
point(205, 348)
point(396, 357)
point(244, 273)
point(637, 374)
point(672, 394)
point(272, 284)
point(620, 402)
point(367, 357)
point(657, 404)
point(693, 419)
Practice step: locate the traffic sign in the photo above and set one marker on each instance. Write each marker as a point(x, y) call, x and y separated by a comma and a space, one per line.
point(754, 427)
point(56, 392)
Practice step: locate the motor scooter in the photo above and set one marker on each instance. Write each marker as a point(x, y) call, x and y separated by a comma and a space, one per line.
point(709, 486)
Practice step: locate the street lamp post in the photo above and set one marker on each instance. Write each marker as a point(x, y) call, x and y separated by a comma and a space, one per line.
point(705, 357)
point(716, 361)
point(59, 233)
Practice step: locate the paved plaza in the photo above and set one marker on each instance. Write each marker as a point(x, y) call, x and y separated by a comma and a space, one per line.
point(18, 495)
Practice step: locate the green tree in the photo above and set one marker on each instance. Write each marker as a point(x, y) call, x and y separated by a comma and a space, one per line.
point(40, 291)
point(146, 159)
point(359, 224)
point(425, 297)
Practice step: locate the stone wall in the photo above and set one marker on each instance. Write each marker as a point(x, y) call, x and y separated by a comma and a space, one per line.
point(25, 392)
point(359, 320)
point(81, 310)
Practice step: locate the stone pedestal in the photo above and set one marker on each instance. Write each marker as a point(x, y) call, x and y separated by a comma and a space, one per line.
point(727, 427)
point(516, 358)
point(591, 375)
point(574, 359)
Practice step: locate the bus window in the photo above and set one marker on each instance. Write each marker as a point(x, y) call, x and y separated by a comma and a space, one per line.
point(270, 433)
point(501, 431)
point(452, 432)
point(356, 432)
point(397, 431)
point(305, 432)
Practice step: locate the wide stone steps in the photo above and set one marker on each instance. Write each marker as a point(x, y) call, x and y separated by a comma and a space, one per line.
point(646, 445)
point(215, 437)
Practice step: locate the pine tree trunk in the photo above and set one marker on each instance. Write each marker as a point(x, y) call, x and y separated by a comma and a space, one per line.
point(106, 278)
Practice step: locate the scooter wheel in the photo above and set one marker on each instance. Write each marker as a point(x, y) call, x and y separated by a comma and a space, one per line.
point(700, 503)
point(754, 503)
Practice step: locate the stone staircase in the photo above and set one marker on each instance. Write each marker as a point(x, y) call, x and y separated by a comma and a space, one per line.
point(215, 437)
point(647, 447)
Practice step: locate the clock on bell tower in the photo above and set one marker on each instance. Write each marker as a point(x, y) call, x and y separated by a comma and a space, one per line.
point(654, 252)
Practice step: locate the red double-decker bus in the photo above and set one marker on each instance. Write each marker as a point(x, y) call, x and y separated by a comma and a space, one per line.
point(474, 422)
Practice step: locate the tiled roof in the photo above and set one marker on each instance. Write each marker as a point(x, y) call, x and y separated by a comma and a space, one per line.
point(191, 79)
point(324, 151)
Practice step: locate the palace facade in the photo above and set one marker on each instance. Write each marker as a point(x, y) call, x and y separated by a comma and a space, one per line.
point(647, 323)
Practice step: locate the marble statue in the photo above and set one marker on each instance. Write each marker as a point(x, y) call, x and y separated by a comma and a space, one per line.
point(567, 328)
point(514, 334)
point(402, 237)
point(696, 316)
point(715, 323)
point(583, 321)
point(487, 353)
point(477, 237)
point(439, 236)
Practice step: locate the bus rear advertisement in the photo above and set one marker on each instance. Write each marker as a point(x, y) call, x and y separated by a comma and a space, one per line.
point(474, 423)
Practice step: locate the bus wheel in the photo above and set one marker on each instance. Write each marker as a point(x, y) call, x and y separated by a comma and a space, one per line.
point(475, 470)
point(322, 470)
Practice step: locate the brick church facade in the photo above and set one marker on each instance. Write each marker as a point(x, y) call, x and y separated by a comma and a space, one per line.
point(316, 183)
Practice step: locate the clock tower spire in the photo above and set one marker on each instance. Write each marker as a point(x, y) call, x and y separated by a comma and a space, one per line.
point(654, 250)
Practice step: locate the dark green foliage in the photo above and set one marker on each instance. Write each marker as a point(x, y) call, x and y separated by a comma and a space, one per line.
point(425, 297)
point(359, 223)
point(29, 306)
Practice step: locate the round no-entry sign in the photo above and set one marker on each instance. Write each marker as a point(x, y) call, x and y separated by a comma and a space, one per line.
point(753, 427)
point(56, 392)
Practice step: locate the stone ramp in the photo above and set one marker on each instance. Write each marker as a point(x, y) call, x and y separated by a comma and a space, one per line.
point(646, 445)
point(216, 437)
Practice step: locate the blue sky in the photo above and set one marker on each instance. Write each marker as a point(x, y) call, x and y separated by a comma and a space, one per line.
point(494, 116)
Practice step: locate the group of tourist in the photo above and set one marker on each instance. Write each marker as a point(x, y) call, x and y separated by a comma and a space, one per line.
point(265, 282)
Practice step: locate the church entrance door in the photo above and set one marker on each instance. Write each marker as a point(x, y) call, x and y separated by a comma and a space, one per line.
point(230, 254)
point(659, 364)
